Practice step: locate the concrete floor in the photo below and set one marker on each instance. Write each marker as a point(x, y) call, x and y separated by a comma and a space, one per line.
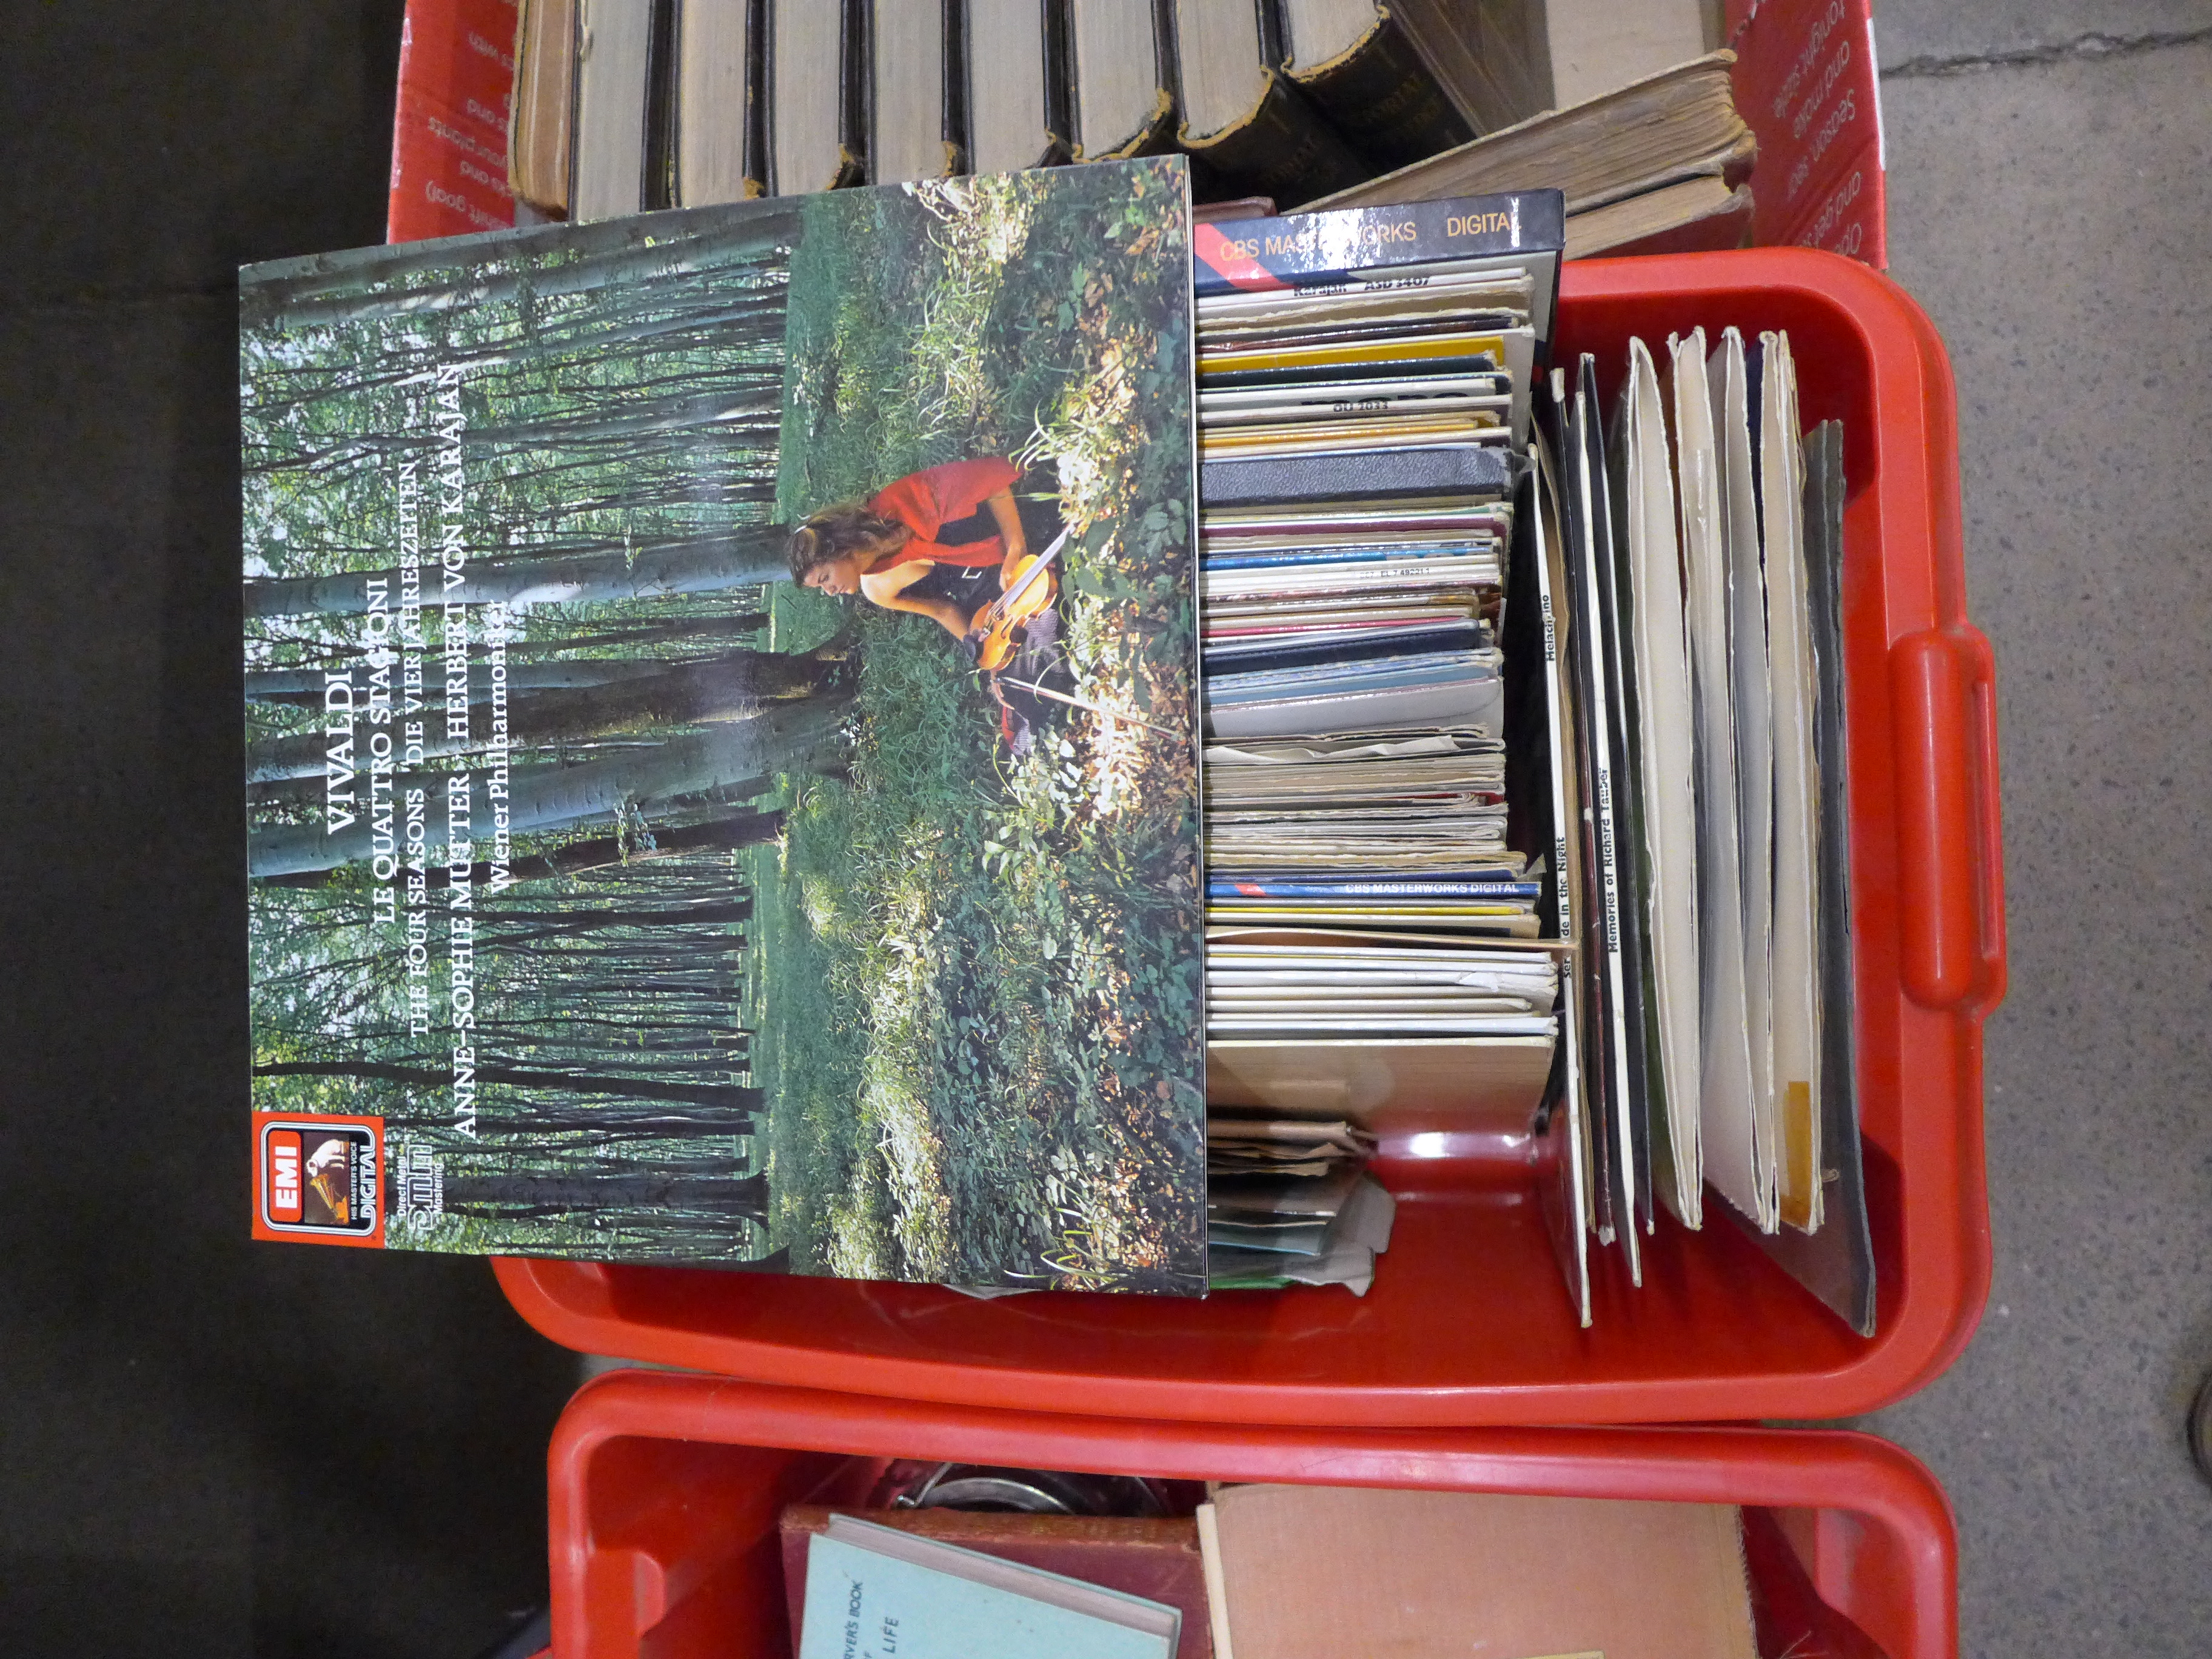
point(2051, 205)
point(209, 1448)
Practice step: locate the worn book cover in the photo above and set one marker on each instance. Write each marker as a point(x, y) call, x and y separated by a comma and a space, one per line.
point(1155, 1559)
point(722, 766)
point(876, 1593)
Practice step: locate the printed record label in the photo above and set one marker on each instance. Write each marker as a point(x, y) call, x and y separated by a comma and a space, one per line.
point(320, 1178)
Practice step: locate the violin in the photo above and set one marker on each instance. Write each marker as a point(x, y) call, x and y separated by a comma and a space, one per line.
point(1033, 588)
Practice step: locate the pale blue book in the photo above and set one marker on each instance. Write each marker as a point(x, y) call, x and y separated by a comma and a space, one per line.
point(874, 1593)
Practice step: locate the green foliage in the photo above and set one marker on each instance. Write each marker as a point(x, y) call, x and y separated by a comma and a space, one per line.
point(981, 996)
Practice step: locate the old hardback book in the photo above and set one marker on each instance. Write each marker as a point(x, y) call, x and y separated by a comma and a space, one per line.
point(1692, 215)
point(1314, 1573)
point(609, 152)
point(1118, 59)
point(812, 77)
point(916, 81)
point(875, 1592)
point(1490, 58)
point(717, 136)
point(1360, 67)
point(662, 844)
point(1016, 93)
point(545, 81)
point(1244, 118)
point(1154, 1557)
point(1678, 124)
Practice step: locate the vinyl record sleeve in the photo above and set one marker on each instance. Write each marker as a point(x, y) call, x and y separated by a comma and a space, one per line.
point(613, 893)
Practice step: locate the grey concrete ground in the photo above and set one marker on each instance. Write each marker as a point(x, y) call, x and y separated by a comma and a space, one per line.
point(2052, 210)
point(1921, 37)
point(209, 1448)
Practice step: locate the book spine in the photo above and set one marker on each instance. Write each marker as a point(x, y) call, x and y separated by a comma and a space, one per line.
point(954, 130)
point(1382, 100)
point(1492, 57)
point(1369, 475)
point(1404, 890)
point(545, 91)
point(1805, 82)
point(755, 152)
point(1258, 254)
point(1156, 137)
point(450, 121)
point(1167, 48)
point(658, 188)
point(1274, 34)
point(1851, 218)
point(1283, 150)
point(1059, 84)
point(856, 59)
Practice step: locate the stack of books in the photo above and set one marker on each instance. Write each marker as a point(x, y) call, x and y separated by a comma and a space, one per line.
point(1268, 1571)
point(625, 104)
point(621, 105)
point(1313, 103)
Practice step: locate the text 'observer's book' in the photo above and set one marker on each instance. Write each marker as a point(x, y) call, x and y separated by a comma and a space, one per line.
point(671, 835)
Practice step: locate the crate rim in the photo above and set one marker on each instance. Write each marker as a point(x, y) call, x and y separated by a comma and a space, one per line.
point(1827, 1469)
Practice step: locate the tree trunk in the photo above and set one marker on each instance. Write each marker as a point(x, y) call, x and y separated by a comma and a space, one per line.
point(639, 419)
point(778, 740)
point(728, 1095)
point(331, 288)
point(606, 1125)
point(737, 625)
point(533, 925)
point(750, 556)
point(304, 685)
point(550, 1196)
point(607, 852)
point(741, 318)
point(729, 687)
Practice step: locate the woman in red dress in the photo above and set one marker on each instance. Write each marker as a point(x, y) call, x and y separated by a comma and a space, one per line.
point(940, 543)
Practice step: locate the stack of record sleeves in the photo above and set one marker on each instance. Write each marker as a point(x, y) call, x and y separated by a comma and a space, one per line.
point(1365, 382)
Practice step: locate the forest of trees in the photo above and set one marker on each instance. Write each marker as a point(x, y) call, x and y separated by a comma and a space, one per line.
point(617, 464)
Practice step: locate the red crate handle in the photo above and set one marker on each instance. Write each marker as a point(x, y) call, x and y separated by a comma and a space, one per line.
point(1949, 849)
point(1981, 683)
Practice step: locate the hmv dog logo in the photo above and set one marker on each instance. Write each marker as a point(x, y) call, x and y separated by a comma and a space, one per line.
point(318, 1176)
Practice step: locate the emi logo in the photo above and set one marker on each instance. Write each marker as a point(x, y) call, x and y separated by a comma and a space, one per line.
point(318, 1177)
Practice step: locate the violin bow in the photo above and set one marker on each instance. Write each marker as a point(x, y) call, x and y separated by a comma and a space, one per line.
point(1099, 709)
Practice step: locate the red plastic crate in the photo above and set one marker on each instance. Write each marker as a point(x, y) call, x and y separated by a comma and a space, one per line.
point(1468, 1322)
point(665, 1491)
point(449, 120)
